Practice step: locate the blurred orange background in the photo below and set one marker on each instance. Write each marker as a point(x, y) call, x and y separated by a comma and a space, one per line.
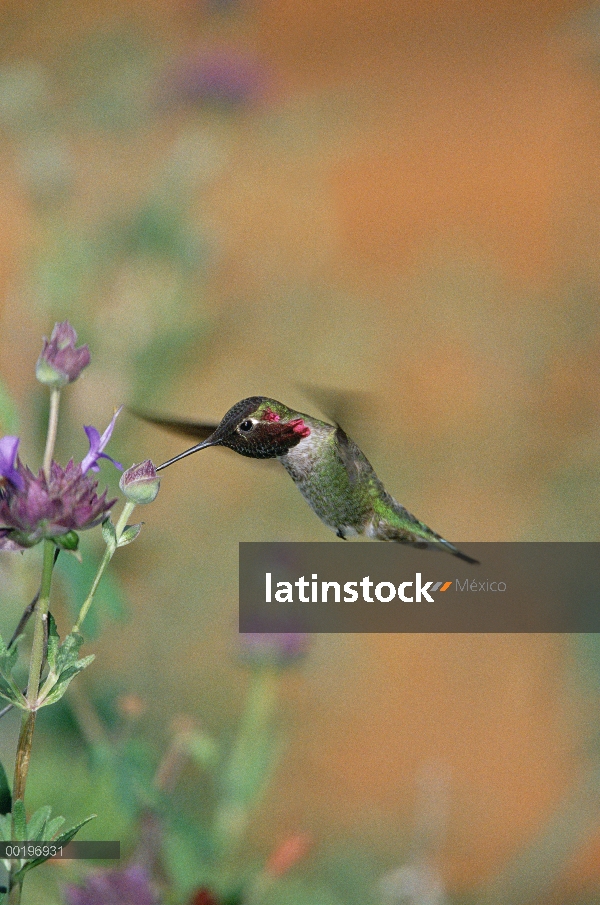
point(412, 207)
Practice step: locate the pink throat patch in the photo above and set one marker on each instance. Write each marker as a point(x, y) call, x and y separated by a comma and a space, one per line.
point(299, 427)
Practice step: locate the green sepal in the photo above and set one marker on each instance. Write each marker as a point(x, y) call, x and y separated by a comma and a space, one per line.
point(19, 820)
point(109, 534)
point(63, 839)
point(69, 541)
point(5, 793)
point(129, 534)
point(50, 376)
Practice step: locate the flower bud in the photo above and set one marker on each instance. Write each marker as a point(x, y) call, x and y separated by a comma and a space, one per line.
point(140, 483)
point(60, 361)
point(68, 541)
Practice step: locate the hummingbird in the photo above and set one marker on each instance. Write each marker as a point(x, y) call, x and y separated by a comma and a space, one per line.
point(330, 471)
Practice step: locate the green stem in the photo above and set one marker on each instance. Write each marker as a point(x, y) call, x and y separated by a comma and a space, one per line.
point(52, 428)
point(39, 631)
point(14, 896)
point(108, 555)
point(28, 719)
point(242, 790)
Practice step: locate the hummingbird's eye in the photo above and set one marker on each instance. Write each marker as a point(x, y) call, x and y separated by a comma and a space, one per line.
point(246, 426)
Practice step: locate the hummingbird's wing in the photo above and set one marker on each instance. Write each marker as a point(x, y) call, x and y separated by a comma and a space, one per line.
point(345, 451)
point(350, 407)
point(341, 407)
point(197, 429)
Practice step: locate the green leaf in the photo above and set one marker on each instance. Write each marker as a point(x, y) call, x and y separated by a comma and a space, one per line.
point(65, 678)
point(63, 839)
point(186, 851)
point(9, 688)
point(70, 834)
point(52, 828)
point(5, 827)
point(250, 768)
point(68, 651)
point(63, 664)
point(37, 823)
point(129, 534)
point(5, 794)
point(8, 658)
point(13, 694)
point(109, 534)
point(53, 643)
point(20, 820)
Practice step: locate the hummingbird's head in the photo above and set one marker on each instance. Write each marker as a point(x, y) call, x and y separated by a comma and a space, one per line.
point(257, 427)
point(260, 428)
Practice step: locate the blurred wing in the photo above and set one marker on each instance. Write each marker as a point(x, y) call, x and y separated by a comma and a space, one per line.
point(346, 453)
point(350, 407)
point(341, 406)
point(197, 429)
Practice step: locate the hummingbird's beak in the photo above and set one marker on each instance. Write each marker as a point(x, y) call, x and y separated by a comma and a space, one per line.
point(211, 441)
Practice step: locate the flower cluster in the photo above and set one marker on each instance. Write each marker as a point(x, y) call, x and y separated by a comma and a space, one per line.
point(57, 502)
point(34, 507)
point(130, 885)
point(49, 508)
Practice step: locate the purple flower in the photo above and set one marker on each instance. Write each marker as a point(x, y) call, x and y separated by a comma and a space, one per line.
point(97, 444)
point(222, 76)
point(124, 886)
point(273, 648)
point(8, 455)
point(49, 509)
point(60, 362)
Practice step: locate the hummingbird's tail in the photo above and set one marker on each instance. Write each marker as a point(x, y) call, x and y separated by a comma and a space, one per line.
point(435, 542)
point(444, 544)
point(395, 523)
